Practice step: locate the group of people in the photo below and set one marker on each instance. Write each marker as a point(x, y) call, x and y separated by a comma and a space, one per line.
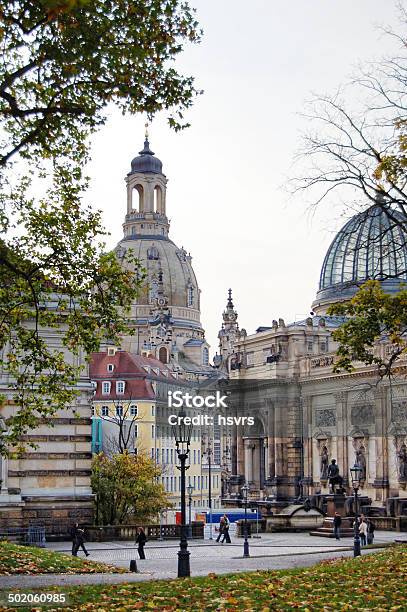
point(224, 525)
point(365, 527)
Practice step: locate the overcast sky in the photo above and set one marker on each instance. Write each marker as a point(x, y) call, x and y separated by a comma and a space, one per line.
point(258, 62)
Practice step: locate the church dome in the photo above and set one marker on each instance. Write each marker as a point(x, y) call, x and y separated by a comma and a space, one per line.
point(370, 246)
point(146, 161)
point(164, 263)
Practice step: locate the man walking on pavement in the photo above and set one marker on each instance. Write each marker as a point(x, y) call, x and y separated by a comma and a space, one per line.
point(337, 525)
point(78, 540)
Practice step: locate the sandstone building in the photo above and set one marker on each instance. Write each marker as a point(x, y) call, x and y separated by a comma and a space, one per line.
point(305, 414)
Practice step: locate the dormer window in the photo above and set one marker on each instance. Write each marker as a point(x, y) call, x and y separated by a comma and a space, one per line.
point(111, 351)
point(120, 387)
point(110, 367)
point(106, 387)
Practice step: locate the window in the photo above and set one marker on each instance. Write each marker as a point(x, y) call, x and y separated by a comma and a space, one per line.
point(153, 431)
point(111, 351)
point(105, 387)
point(119, 411)
point(152, 410)
point(167, 456)
point(199, 456)
point(110, 367)
point(152, 453)
point(172, 455)
point(105, 411)
point(194, 456)
point(120, 387)
point(199, 483)
point(135, 431)
point(190, 295)
point(162, 455)
point(135, 451)
point(93, 411)
point(310, 346)
point(205, 356)
point(133, 410)
point(157, 455)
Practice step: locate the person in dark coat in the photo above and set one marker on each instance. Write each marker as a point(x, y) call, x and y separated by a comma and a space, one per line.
point(221, 523)
point(225, 530)
point(337, 525)
point(141, 540)
point(370, 531)
point(78, 540)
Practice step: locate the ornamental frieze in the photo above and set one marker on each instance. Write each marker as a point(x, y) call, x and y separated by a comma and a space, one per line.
point(322, 362)
point(362, 414)
point(399, 411)
point(325, 418)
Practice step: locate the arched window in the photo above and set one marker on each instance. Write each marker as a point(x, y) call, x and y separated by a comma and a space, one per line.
point(163, 355)
point(190, 298)
point(158, 199)
point(139, 199)
point(205, 356)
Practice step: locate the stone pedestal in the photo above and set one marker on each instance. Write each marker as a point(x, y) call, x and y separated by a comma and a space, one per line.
point(335, 503)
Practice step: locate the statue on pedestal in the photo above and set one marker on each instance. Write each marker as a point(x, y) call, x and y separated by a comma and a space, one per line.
point(402, 457)
point(324, 463)
point(334, 477)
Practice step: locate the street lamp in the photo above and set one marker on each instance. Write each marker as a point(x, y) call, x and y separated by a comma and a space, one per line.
point(208, 453)
point(245, 491)
point(355, 473)
point(182, 434)
point(190, 490)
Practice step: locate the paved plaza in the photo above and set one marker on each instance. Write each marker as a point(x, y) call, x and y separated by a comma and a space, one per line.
point(271, 551)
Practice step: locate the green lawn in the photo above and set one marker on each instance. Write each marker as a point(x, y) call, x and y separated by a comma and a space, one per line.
point(15, 559)
point(371, 582)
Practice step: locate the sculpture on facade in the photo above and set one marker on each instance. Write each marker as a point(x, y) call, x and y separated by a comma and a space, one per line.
point(402, 458)
point(324, 463)
point(334, 477)
point(361, 461)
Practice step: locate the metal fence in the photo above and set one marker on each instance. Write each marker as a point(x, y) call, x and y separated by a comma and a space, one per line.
point(31, 536)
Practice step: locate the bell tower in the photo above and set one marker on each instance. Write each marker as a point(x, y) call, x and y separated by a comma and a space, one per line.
point(146, 196)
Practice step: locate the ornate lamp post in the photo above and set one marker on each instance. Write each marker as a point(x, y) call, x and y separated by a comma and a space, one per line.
point(182, 435)
point(355, 473)
point(208, 453)
point(245, 491)
point(190, 490)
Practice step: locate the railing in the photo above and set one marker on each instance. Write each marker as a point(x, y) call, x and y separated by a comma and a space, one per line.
point(30, 536)
point(129, 532)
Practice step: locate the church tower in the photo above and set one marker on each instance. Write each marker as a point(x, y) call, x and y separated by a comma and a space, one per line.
point(167, 312)
point(228, 336)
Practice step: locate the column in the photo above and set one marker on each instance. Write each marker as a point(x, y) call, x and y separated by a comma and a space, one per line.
point(342, 459)
point(381, 481)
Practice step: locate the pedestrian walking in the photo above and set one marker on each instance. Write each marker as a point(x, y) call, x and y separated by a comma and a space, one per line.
point(337, 525)
point(221, 524)
point(226, 525)
point(363, 532)
point(141, 540)
point(78, 540)
point(370, 531)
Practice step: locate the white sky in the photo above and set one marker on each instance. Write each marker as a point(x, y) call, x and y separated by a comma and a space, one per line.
point(257, 63)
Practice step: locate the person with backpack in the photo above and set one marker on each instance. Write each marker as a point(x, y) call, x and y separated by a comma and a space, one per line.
point(141, 540)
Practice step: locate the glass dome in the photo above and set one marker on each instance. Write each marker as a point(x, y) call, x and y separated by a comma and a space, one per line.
point(369, 246)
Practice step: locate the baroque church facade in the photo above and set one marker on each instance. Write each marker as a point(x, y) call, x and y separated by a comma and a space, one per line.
point(306, 415)
point(166, 316)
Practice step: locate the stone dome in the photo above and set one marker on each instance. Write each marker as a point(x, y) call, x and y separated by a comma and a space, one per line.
point(370, 246)
point(167, 264)
point(146, 162)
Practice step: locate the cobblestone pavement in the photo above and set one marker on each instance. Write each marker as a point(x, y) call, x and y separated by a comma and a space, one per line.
point(272, 551)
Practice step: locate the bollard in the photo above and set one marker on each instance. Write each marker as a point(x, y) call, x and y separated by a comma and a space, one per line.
point(133, 566)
